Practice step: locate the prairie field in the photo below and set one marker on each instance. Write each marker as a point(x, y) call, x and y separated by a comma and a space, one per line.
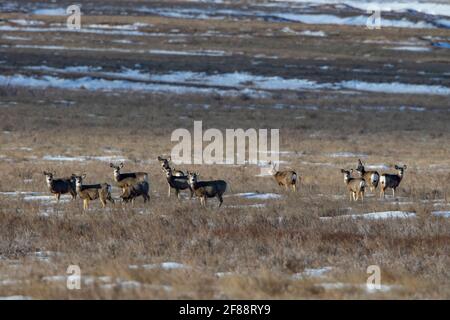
point(72, 101)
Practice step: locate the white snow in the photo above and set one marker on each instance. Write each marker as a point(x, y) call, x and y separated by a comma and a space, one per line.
point(312, 273)
point(180, 82)
point(16, 298)
point(395, 87)
point(376, 215)
point(164, 265)
point(369, 288)
point(410, 48)
point(427, 7)
point(84, 158)
point(259, 196)
point(50, 12)
point(347, 155)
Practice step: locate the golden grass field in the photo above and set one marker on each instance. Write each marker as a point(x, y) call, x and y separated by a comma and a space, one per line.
point(249, 248)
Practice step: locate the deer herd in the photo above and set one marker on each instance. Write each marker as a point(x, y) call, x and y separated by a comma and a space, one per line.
point(136, 184)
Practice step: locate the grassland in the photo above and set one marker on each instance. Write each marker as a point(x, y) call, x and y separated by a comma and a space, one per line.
point(249, 248)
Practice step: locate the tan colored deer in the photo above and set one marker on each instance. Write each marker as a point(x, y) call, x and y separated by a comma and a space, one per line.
point(287, 178)
point(60, 186)
point(176, 182)
point(165, 164)
point(392, 180)
point(356, 186)
point(372, 178)
point(207, 189)
point(132, 192)
point(90, 192)
point(124, 180)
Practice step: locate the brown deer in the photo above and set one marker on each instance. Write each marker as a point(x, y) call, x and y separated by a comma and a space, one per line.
point(372, 178)
point(356, 186)
point(176, 182)
point(286, 178)
point(60, 186)
point(392, 180)
point(90, 192)
point(165, 164)
point(124, 180)
point(207, 189)
point(132, 192)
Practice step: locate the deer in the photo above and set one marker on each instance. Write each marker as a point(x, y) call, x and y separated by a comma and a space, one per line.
point(132, 192)
point(90, 192)
point(372, 178)
point(392, 180)
point(165, 164)
point(356, 186)
point(124, 180)
point(287, 178)
point(206, 189)
point(60, 186)
point(176, 182)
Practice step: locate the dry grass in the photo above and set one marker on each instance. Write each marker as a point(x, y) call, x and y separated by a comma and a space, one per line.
point(259, 249)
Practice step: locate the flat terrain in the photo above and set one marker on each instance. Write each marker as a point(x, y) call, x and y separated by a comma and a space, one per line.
point(73, 101)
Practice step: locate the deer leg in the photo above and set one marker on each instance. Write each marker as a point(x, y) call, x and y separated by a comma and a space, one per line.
point(393, 192)
point(85, 204)
point(350, 194)
point(362, 196)
point(177, 192)
point(220, 199)
point(168, 193)
point(103, 201)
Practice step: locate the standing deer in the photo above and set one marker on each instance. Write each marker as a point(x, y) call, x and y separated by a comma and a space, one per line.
point(60, 186)
point(392, 180)
point(286, 178)
point(165, 164)
point(124, 180)
point(90, 192)
point(207, 189)
point(132, 192)
point(176, 182)
point(372, 178)
point(356, 186)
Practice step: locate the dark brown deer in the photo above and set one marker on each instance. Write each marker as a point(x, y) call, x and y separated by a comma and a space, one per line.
point(60, 186)
point(176, 182)
point(165, 164)
point(392, 180)
point(134, 191)
point(372, 178)
point(124, 180)
point(287, 178)
point(91, 192)
point(207, 189)
point(356, 186)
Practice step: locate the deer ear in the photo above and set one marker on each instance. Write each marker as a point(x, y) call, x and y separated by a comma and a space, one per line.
point(404, 167)
point(121, 164)
point(342, 171)
point(83, 175)
point(111, 165)
point(397, 167)
point(169, 158)
point(159, 158)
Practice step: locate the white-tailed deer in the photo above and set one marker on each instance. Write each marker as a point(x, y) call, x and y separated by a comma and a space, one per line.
point(392, 180)
point(124, 180)
point(60, 186)
point(176, 182)
point(287, 178)
point(165, 164)
point(372, 177)
point(207, 189)
point(90, 192)
point(132, 192)
point(356, 186)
